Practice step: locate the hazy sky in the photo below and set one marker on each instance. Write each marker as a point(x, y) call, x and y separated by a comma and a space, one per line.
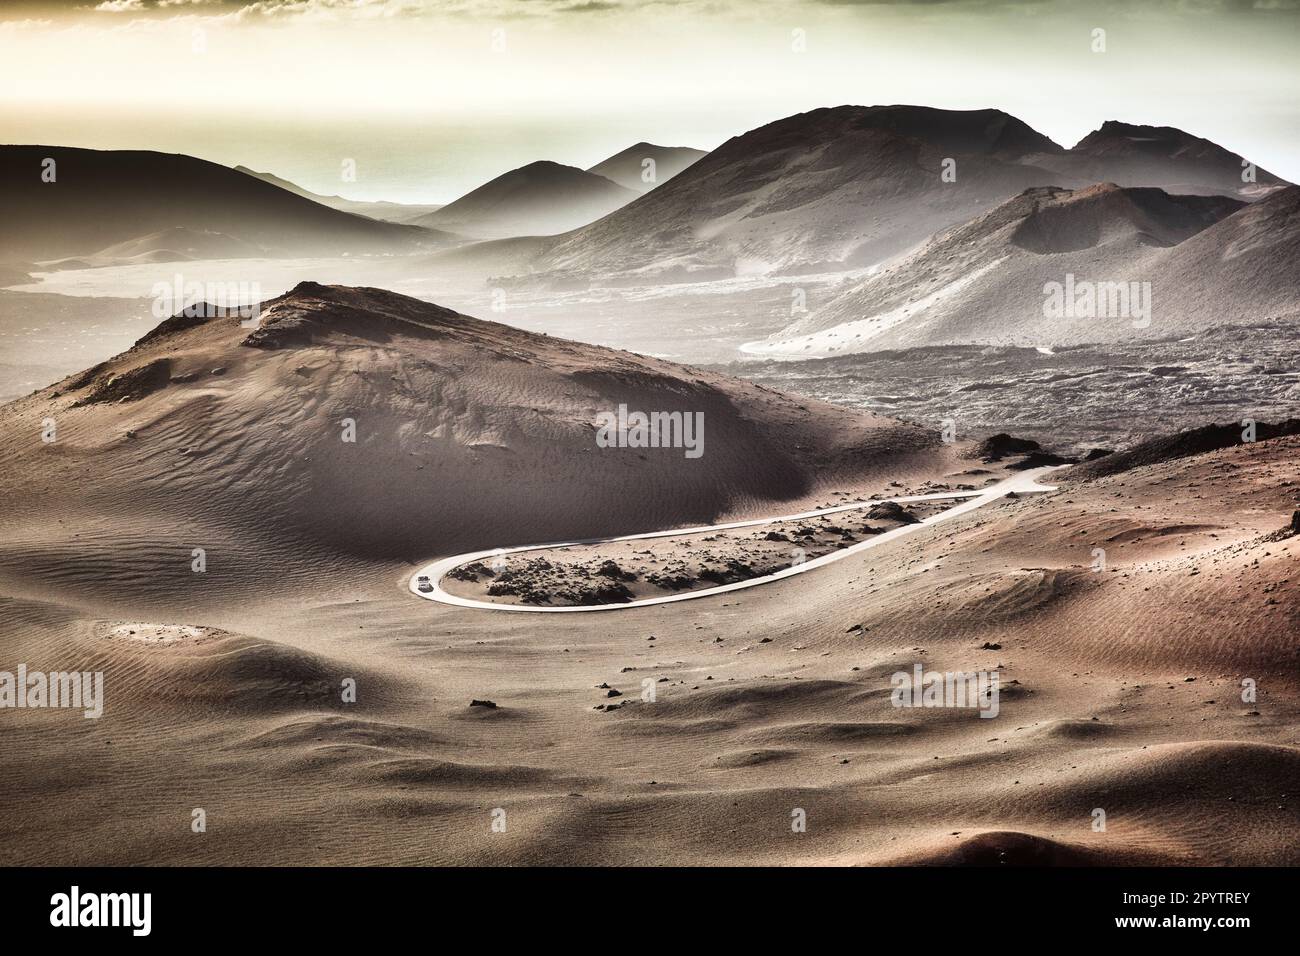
point(433, 98)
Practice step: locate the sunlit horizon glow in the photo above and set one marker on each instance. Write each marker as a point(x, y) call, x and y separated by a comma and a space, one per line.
point(430, 100)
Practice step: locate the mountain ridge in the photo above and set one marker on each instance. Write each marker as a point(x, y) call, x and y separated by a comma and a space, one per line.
point(627, 167)
point(539, 198)
point(984, 282)
point(99, 198)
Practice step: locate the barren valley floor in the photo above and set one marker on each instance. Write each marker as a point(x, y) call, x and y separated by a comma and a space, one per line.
point(1122, 690)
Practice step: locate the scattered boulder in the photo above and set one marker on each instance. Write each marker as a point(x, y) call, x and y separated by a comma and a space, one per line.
point(610, 569)
point(131, 385)
point(892, 511)
point(471, 572)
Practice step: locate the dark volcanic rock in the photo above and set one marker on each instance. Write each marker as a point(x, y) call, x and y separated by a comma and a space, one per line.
point(999, 446)
point(891, 511)
point(1184, 444)
point(132, 384)
point(471, 572)
point(610, 569)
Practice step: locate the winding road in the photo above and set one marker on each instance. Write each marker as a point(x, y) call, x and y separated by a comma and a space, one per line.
point(1024, 482)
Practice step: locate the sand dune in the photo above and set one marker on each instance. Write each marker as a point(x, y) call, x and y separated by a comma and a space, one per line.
point(1122, 688)
point(207, 407)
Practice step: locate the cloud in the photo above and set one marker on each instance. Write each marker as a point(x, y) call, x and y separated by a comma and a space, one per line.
point(145, 6)
point(588, 6)
point(251, 10)
point(28, 24)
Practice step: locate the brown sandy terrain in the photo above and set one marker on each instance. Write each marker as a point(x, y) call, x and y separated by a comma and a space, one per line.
point(1121, 689)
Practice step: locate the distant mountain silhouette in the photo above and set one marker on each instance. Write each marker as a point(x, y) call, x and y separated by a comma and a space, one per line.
point(629, 168)
point(1161, 156)
point(540, 199)
point(854, 186)
point(387, 211)
point(100, 198)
